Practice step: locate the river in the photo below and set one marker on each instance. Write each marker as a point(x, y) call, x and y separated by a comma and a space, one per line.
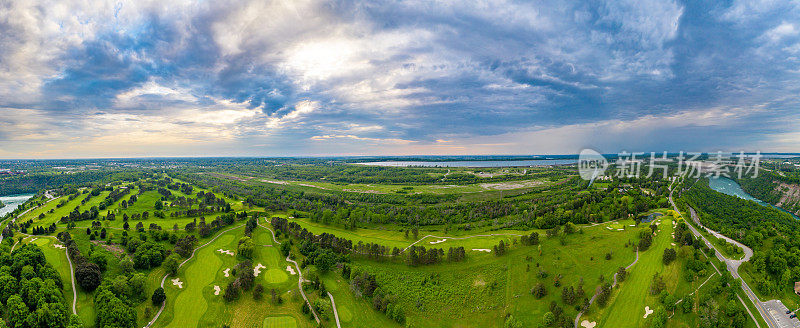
point(729, 187)
point(12, 202)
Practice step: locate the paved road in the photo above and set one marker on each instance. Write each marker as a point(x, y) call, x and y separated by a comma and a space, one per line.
point(777, 310)
point(733, 267)
point(300, 280)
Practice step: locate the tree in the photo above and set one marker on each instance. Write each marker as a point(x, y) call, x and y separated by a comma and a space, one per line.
point(258, 292)
point(158, 297)
point(232, 291)
point(669, 256)
point(171, 264)
point(548, 319)
point(112, 311)
point(539, 290)
point(325, 261)
point(603, 294)
point(645, 240)
point(657, 284)
point(246, 247)
point(621, 274)
point(88, 276)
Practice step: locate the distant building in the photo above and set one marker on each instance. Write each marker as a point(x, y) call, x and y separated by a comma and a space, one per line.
point(797, 288)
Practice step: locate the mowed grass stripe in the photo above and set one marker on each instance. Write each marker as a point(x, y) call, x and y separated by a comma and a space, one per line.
point(627, 307)
point(190, 304)
point(280, 322)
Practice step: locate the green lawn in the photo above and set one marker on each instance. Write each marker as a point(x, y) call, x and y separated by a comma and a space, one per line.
point(626, 307)
point(196, 305)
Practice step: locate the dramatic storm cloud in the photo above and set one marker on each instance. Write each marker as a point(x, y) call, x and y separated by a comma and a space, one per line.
point(81, 78)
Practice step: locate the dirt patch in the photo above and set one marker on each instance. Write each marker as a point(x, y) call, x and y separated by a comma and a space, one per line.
point(790, 194)
point(508, 185)
point(225, 176)
point(364, 191)
point(113, 248)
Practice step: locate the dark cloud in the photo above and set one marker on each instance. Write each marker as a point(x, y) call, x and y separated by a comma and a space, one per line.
point(419, 70)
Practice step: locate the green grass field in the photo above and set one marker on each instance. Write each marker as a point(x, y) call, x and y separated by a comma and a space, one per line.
point(280, 322)
point(413, 189)
point(626, 308)
point(196, 303)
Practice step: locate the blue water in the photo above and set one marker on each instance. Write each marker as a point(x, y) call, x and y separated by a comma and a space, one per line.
point(651, 217)
point(532, 162)
point(730, 187)
point(12, 202)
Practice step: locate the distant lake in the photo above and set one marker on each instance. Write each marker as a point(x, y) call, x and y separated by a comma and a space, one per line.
point(532, 162)
point(12, 202)
point(729, 187)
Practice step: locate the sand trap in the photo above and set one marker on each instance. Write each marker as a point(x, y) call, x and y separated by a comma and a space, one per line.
point(59, 246)
point(177, 282)
point(673, 244)
point(587, 324)
point(620, 229)
point(290, 269)
point(216, 290)
point(609, 228)
point(482, 250)
point(222, 251)
point(632, 225)
point(647, 311)
point(227, 272)
point(257, 269)
point(439, 241)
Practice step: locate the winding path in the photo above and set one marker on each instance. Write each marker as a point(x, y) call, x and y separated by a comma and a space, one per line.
point(732, 265)
point(300, 280)
point(578, 318)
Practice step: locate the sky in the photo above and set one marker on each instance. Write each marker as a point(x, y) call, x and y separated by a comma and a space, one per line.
point(82, 78)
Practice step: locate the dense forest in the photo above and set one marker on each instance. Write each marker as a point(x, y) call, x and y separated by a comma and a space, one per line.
point(32, 183)
point(775, 189)
point(773, 235)
point(31, 290)
point(543, 207)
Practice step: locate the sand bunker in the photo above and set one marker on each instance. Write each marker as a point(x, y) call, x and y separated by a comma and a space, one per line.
point(482, 250)
point(257, 269)
point(647, 311)
point(620, 229)
point(227, 272)
point(223, 251)
point(673, 244)
point(609, 228)
point(632, 225)
point(177, 282)
point(59, 246)
point(216, 290)
point(290, 269)
point(439, 241)
point(587, 324)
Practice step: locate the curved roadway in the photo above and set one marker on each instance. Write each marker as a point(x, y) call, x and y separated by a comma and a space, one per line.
point(732, 265)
